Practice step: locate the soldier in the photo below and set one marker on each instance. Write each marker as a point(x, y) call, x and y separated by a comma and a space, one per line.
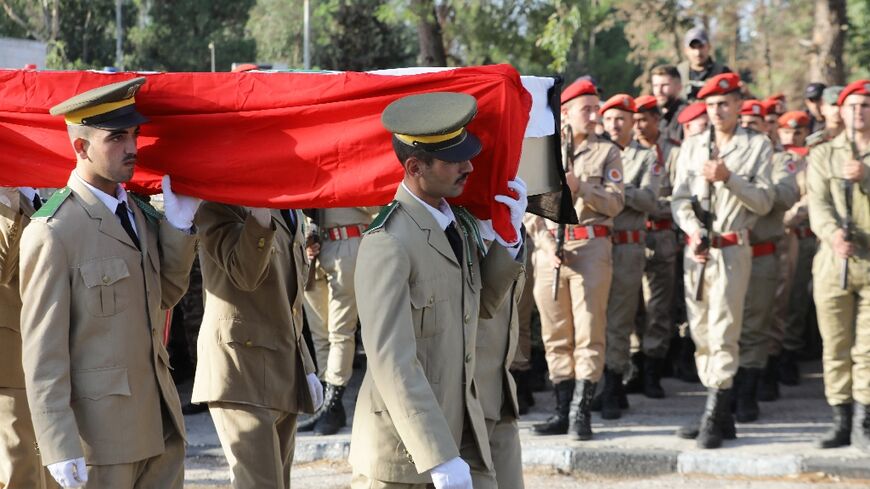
point(573, 327)
point(793, 127)
point(694, 120)
point(20, 465)
point(813, 101)
point(99, 268)
point(723, 185)
point(521, 367)
point(422, 285)
point(831, 112)
point(771, 111)
point(254, 369)
point(752, 115)
point(333, 325)
point(699, 65)
point(659, 276)
point(667, 87)
point(839, 206)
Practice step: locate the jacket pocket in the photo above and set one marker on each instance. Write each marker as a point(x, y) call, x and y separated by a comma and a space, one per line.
point(106, 288)
point(99, 383)
point(233, 333)
point(428, 301)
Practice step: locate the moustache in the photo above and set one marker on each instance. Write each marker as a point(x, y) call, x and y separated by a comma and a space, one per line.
point(129, 159)
point(462, 179)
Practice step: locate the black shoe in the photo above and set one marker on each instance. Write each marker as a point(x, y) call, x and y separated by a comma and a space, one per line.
point(333, 417)
point(652, 378)
point(525, 399)
point(557, 424)
point(861, 427)
point(746, 389)
point(724, 420)
point(840, 434)
point(191, 408)
point(308, 423)
point(580, 424)
point(789, 371)
point(715, 419)
point(768, 382)
point(687, 371)
point(610, 395)
point(634, 382)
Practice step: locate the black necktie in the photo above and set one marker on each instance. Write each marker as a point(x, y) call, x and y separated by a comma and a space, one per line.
point(121, 212)
point(37, 202)
point(455, 241)
point(290, 218)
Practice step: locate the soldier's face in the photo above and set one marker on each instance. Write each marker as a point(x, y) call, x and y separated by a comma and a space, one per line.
point(647, 125)
point(582, 113)
point(617, 123)
point(789, 136)
point(441, 179)
point(665, 89)
point(855, 112)
point(696, 126)
point(723, 111)
point(698, 53)
point(753, 122)
point(831, 113)
point(108, 155)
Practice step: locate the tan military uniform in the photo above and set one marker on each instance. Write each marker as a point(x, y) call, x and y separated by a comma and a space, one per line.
point(92, 321)
point(252, 357)
point(332, 299)
point(844, 315)
point(573, 327)
point(716, 319)
point(418, 406)
point(642, 179)
point(526, 305)
point(764, 237)
point(20, 465)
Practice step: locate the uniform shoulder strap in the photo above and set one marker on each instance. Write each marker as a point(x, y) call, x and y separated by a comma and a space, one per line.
point(49, 208)
point(151, 214)
point(382, 217)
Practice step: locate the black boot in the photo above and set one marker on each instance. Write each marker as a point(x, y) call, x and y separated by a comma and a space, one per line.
point(525, 399)
point(840, 434)
point(710, 434)
point(634, 382)
point(687, 371)
point(861, 427)
point(652, 377)
point(789, 372)
point(610, 408)
point(333, 417)
point(557, 424)
point(746, 389)
point(725, 420)
point(580, 425)
point(768, 383)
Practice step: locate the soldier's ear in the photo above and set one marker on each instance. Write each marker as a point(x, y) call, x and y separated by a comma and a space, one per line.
point(80, 146)
point(414, 166)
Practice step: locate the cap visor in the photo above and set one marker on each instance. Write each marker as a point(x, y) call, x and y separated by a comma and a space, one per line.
point(131, 119)
point(466, 150)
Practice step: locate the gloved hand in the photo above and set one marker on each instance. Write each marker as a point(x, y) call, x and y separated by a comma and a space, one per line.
point(517, 208)
point(316, 389)
point(179, 209)
point(452, 474)
point(70, 473)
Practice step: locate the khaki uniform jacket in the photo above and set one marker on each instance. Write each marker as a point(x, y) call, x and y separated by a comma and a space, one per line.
point(419, 311)
point(827, 206)
point(667, 149)
point(250, 348)
point(643, 176)
point(92, 325)
point(770, 227)
point(736, 203)
point(799, 214)
point(11, 228)
point(329, 218)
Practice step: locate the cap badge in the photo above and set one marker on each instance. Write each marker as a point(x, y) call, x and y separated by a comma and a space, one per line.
point(723, 84)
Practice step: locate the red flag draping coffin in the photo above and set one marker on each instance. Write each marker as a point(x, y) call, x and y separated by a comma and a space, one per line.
point(281, 140)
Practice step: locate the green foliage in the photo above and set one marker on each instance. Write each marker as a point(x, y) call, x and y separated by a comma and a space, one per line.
point(858, 39)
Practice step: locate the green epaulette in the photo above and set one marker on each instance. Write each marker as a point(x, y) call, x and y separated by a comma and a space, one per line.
point(469, 223)
point(53, 204)
point(382, 217)
point(151, 214)
point(815, 139)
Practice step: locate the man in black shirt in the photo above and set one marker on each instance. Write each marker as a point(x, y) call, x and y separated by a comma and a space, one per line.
point(699, 65)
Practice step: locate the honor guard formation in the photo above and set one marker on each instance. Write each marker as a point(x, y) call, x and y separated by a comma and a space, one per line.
point(719, 238)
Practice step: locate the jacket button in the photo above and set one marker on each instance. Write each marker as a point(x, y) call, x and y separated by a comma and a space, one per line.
point(105, 279)
point(261, 243)
point(431, 301)
point(468, 358)
point(248, 343)
point(466, 318)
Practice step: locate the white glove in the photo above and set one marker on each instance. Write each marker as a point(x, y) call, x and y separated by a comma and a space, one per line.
point(70, 473)
point(316, 389)
point(517, 207)
point(179, 209)
point(452, 474)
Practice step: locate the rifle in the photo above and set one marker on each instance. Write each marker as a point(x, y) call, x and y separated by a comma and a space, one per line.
point(847, 192)
point(313, 237)
point(704, 212)
point(567, 155)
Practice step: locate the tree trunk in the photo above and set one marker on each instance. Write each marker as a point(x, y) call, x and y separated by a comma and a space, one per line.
point(432, 51)
point(829, 36)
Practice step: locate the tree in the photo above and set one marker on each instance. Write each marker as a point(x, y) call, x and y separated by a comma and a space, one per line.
point(829, 35)
point(429, 32)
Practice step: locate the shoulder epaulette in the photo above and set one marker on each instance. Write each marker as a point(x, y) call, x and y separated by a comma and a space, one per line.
point(815, 138)
point(381, 219)
point(469, 223)
point(53, 204)
point(151, 214)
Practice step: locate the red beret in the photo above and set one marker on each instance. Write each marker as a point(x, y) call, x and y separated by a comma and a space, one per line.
point(770, 106)
point(778, 97)
point(619, 101)
point(577, 89)
point(794, 119)
point(692, 112)
point(720, 85)
point(860, 87)
point(245, 67)
point(753, 107)
point(645, 103)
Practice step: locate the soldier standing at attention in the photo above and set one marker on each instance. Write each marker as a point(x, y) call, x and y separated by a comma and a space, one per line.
point(642, 174)
point(839, 206)
point(423, 280)
point(723, 185)
point(99, 269)
point(573, 327)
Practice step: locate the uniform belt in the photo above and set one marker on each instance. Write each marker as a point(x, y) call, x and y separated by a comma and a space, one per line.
point(804, 232)
point(339, 233)
point(660, 225)
point(628, 237)
point(763, 249)
point(725, 240)
point(575, 233)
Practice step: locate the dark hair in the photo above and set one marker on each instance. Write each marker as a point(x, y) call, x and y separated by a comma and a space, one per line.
point(404, 151)
point(666, 70)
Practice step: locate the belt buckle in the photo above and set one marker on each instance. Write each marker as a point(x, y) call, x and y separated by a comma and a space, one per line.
point(590, 231)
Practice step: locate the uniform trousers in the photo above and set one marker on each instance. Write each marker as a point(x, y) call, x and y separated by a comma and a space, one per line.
point(659, 281)
point(622, 303)
point(20, 466)
point(758, 312)
point(333, 304)
point(573, 327)
point(258, 442)
point(525, 306)
point(507, 452)
point(787, 255)
point(716, 320)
